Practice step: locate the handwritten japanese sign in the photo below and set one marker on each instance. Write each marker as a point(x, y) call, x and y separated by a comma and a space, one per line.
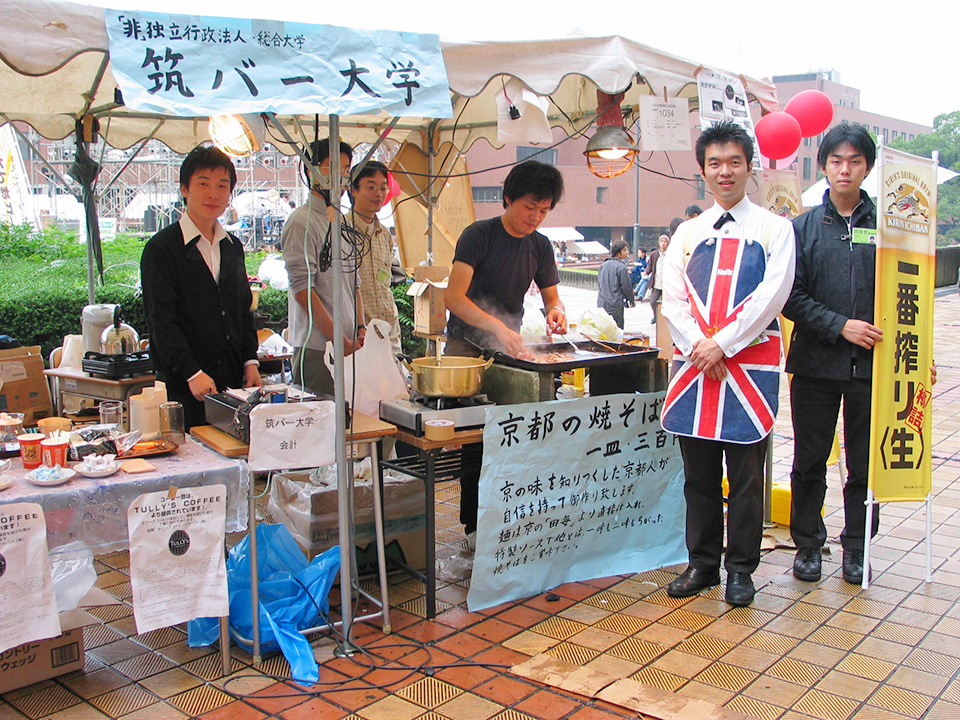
point(177, 568)
point(572, 490)
point(191, 66)
point(289, 435)
point(28, 606)
point(900, 467)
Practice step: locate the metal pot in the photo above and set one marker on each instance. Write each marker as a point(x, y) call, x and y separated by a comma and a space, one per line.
point(119, 338)
point(453, 377)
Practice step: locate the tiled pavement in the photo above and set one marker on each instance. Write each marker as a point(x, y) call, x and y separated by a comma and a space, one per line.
point(826, 650)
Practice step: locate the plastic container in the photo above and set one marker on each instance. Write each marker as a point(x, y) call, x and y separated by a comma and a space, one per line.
point(144, 410)
point(94, 320)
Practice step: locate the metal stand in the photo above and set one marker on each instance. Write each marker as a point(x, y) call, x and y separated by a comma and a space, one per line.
point(348, 582)
point(433, 465)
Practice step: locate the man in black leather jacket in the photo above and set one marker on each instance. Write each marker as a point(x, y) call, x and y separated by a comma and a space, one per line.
point(831, 354)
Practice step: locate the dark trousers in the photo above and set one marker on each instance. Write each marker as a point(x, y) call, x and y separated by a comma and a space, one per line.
point(815, 405)
point(703, 490)
point(655, 301)
point(617, 316)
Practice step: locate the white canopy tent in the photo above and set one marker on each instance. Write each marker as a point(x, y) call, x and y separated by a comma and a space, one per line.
point(56, 77)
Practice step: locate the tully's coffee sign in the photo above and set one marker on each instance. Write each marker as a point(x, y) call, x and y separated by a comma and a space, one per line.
point(179, 543)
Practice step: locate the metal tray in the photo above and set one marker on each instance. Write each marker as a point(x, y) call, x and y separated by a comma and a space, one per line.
point(599, 356)
point(145, 448)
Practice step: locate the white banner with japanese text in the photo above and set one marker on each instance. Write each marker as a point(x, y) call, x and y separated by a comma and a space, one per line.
point(189, 65)
point(572, 490)
point(28, 605)
point(900, 467)
point(291, 435)
point(178, 569)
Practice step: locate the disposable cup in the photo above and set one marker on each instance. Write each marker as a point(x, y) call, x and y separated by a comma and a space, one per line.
point(53, 452)
point(48, 425)
point(30, 449)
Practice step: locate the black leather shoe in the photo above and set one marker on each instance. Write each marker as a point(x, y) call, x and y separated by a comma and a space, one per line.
point(807, 564)
point(740, 590)
point(853, 566)
point(692, 581)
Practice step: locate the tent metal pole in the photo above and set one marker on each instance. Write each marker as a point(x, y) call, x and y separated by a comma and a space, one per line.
point(343, 467)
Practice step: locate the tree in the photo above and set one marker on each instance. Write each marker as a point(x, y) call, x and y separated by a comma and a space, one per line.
point(944, 139)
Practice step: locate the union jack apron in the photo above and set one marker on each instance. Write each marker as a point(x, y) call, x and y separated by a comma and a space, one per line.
point(720, 277)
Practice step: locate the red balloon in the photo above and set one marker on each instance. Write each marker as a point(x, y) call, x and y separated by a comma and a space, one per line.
point(778, 135)
point(813, 109)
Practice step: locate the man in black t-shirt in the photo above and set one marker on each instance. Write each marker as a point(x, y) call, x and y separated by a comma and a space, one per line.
point(493, 266)
point(496, 260)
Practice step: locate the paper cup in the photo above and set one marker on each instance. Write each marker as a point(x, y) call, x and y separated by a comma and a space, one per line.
point(49, 425)
point(30, 450)
point(53, 453)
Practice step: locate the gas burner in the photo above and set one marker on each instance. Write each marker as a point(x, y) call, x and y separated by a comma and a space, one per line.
point(117, 366)
point(449, 403)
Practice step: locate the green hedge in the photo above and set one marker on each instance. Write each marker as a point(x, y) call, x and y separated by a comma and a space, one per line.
point(43, 287)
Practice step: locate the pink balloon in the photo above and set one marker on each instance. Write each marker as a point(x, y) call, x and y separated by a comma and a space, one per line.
point(393, 187)
point(778, 135)
point(813, 109)
point(782, 164)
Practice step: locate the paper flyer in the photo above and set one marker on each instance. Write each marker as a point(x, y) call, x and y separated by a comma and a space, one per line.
point(28, 605)
point(177, 563)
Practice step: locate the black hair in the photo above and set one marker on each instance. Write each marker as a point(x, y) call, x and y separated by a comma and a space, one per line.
point(543, 182)
point(721, 134)
point(369, 169)
point(318, 151)
point(692, 211)
point(617, 247)
point(674, 224)
point(206, 157)
point(857, 136)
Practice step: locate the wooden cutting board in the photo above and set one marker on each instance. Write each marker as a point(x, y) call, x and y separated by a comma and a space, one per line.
point(217, 440)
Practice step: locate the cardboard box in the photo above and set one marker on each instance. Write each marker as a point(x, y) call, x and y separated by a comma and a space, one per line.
point(39, 660)
point(23, 386)
point(310, 512)
point(429, 308)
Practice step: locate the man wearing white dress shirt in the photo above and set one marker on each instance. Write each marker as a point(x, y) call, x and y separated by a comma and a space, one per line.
point(727, 274)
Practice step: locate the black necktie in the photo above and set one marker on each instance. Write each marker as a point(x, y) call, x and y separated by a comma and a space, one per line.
point(722, 220)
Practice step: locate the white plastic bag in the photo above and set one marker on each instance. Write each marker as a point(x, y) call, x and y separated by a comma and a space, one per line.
point(378, 375)
point(71, 567)
point(598, 324)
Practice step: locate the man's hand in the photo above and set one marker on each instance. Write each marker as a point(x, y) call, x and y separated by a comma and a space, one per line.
point(350, 347)
point(361, 337)
point(708, 358)
point(510, 341)
point(202, 385)
point(556, 321)
point(251, 376)
point(933, 375)
point(861, 333)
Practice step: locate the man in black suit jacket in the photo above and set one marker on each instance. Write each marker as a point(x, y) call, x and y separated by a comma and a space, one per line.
point(196, 295)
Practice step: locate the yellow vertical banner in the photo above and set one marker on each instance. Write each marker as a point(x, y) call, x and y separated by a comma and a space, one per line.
point(900, 425)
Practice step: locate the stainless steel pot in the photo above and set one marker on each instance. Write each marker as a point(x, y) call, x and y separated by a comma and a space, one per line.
point(119, 338)
point(453, 377)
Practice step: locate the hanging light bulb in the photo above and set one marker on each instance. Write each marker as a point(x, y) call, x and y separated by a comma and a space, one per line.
point(610, 152)
point(237, 135)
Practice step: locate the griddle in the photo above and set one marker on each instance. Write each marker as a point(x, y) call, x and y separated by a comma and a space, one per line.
point(598, 357)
